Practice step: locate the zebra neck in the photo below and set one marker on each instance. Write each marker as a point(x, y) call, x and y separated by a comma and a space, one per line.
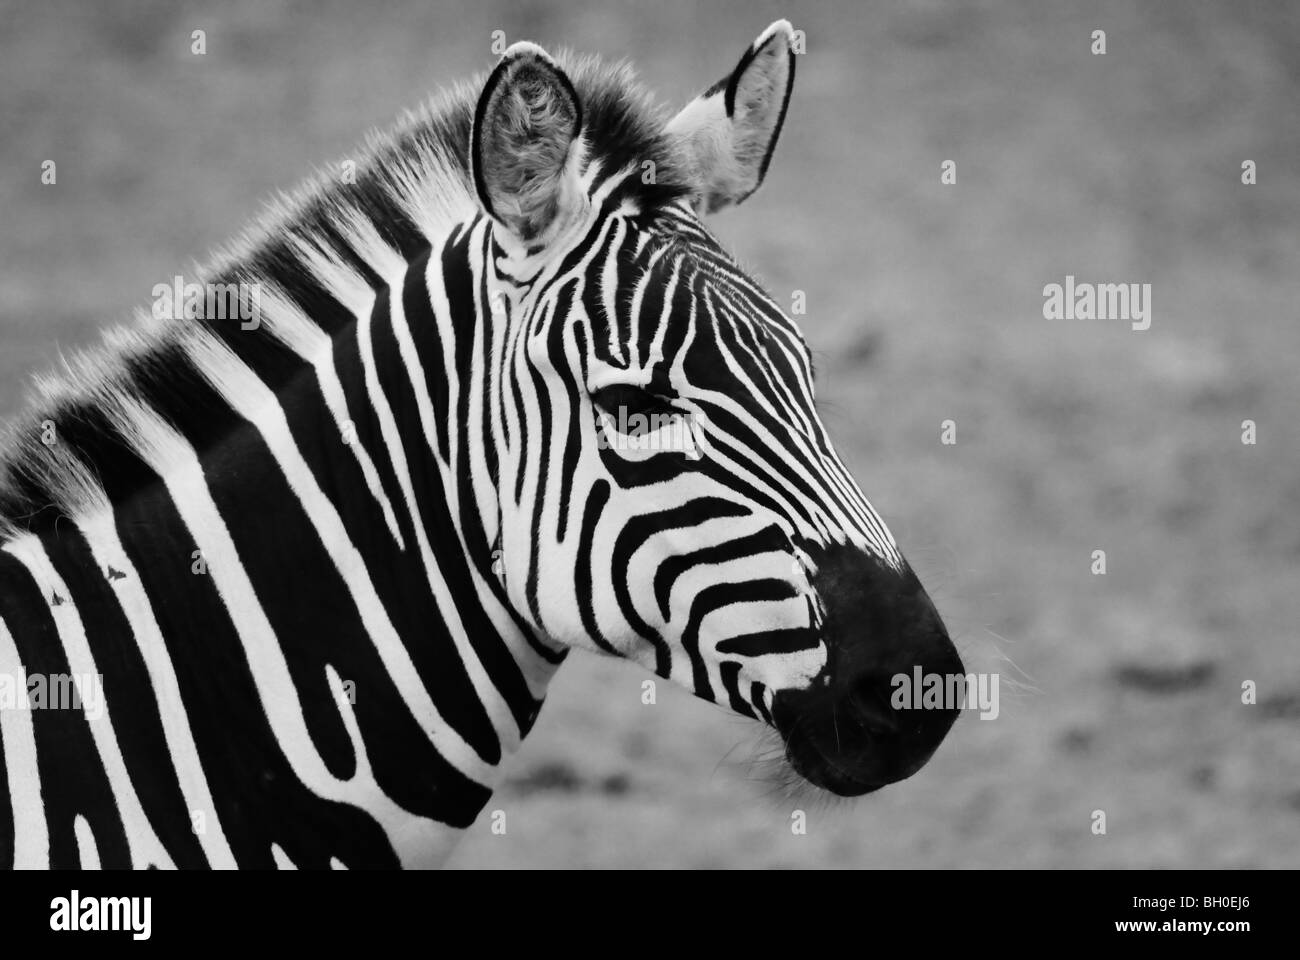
point(282, 580)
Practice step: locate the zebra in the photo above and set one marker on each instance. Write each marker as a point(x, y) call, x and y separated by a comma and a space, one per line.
point(320, 567)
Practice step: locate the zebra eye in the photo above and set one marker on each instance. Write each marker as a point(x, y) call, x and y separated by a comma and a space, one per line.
point(629, 400)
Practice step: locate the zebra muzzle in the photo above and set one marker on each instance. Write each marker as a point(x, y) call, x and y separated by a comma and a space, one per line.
point(852, 730)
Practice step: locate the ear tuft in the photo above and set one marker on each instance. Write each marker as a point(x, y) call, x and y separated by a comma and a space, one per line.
point(729, 132)
point(525, 126)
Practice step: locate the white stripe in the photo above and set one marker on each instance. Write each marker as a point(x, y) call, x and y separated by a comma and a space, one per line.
point(609, 289)
point(639, 286)
point(256, 402)
point(173, 459)
point(101, 534)
point(829, 482)
point(18, 738)
point(143, 844)
point(469, 449)
point(348, 287)
point(312, 344)
point(657, 346)
point(87, 851)
point(390, 265)
point(829, 515)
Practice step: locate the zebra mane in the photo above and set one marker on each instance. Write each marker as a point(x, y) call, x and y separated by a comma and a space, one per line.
point(409, 187)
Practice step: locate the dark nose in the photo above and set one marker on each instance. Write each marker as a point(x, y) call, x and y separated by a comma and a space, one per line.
point(892, 686)
point(904, 713)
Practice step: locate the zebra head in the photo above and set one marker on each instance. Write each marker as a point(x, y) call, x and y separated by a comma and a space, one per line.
point(665, 489)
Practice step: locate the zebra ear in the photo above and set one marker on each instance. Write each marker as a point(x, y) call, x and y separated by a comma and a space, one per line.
point(522, 145)
point(729, 131)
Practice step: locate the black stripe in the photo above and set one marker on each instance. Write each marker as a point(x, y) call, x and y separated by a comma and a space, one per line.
point(583, 580)
point(539, 491)
point(132, 702)
point(417, 308)
point(312, 614)
point(426, 475)
point(756, 691)
point(716, 597)
point(574, 426)
point(258, 798)
point(73, 780)
point(634, 534)
point(785, 640)
point(730, 673)
point(769, 539)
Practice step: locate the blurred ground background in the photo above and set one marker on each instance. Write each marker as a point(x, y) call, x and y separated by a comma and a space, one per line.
point(925, 302)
